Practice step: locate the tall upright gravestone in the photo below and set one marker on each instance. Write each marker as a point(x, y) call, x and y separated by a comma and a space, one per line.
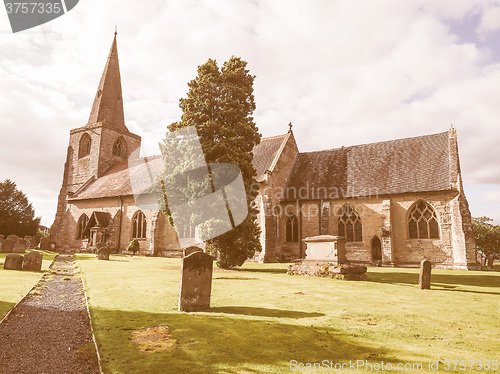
point(424, 282)
point(196, 282)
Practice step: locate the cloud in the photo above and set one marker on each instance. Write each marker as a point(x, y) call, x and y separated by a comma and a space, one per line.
point(342, 72)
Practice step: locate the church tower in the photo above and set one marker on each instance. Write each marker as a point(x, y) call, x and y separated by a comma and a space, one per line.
point(103, 141)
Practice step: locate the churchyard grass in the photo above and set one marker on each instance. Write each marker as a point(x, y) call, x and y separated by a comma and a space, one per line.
point(265, 321)
point(15, 284)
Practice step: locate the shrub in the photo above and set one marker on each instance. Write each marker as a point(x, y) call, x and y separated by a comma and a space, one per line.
point(134, 246)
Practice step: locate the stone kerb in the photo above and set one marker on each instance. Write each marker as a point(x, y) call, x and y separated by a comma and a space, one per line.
point(13, 262)
point(8, 245)
point(196, 282)
point(424, 282)
point(33, 261)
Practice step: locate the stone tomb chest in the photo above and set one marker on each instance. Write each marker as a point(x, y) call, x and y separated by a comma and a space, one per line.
point(326, 248)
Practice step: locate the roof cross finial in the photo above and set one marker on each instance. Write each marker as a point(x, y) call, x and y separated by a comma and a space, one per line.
point(290, 125)
point(116, 30)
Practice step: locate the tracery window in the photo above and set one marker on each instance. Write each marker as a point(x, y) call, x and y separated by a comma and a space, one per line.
point(292, 229)
point(85, 145)
point(350, 226)
point(119, 147)
point(186, 232)
point(139, 225)
point(422, 222)
point(82, 223)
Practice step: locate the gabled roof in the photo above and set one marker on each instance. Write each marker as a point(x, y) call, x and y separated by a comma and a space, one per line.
point(108, 103)
point(405, 165)
point(266, 153)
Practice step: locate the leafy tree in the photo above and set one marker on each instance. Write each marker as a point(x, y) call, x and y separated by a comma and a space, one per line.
point(486, 235)
point(220, 104)
point(17, 216)
point(133, 246)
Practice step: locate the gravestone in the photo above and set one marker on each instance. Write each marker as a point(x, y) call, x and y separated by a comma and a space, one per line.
point(13, 237)
point(13, 262)
point(30, 242)
point(19, 246)
point(424, 282)
point(103, 253)
point(196, 282)
point(489, 260)
point(33, 261)
point(45, 244)
point(192, 249)
point(8, 245)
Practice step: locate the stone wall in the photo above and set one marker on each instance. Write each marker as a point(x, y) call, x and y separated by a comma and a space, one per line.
point(386, 218)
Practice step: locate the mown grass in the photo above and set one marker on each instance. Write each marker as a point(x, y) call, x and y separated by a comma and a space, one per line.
point(261, 318)
point(15, 284)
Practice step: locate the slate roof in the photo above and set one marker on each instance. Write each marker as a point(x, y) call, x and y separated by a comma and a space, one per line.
point(417, 164)
point(265, 152)
point(405, 165)
point(119, 179)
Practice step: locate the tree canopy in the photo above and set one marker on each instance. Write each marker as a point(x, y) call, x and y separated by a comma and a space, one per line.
point(486, 235)
point(17, 216)
point(220, 104)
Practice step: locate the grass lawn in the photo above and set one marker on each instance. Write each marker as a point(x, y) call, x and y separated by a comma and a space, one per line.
point(261, 318)
point(15, 284)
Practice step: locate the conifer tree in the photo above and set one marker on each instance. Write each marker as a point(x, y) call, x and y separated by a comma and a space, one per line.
point(220, 104)
point(17, 216)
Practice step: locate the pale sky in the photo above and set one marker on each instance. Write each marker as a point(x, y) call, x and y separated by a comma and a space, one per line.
point(343, 72)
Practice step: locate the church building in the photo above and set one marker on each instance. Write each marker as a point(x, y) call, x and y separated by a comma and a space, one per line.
point(395, 202)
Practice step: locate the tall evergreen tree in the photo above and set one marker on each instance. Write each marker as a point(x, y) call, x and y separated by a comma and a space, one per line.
point(220, 104)
point(17, 215)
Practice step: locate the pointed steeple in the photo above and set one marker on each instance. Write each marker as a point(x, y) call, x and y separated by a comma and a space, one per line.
point(108, 102)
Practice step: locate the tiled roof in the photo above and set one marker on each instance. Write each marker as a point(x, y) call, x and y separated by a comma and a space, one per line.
point(123, 178)
point(265, 152)
point(398, 166)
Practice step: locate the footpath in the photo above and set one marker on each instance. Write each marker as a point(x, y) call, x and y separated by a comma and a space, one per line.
point(49, 331)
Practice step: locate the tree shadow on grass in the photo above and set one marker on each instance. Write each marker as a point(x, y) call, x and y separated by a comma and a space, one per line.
point(227, 344)
point(450, 282)
point(264, 270)
point(263, 312)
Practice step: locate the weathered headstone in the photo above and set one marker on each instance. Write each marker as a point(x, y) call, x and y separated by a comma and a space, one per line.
point(33, 261)
point(8, 245)
point(489, 260)
point(424, 282)
point(192, 249)
point(196, 282)
point(45, 244)
point(103, 253)
point(30, 242)
point(13, 262)
point(19, 246)
point(13, 237)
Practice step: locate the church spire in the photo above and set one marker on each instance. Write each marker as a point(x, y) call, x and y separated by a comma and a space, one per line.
point(108, 102)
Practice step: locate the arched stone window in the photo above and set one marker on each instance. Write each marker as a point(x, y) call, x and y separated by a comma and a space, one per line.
point(186, 232)
point(82, 223)
point(119, 148)
point(292, 229)
point(139, 225)
point(350, 226)
point(85, 145)
point(422, 222)
point(277, 215)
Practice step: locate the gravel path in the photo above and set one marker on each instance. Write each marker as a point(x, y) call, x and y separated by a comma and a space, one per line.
point(49, 331)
